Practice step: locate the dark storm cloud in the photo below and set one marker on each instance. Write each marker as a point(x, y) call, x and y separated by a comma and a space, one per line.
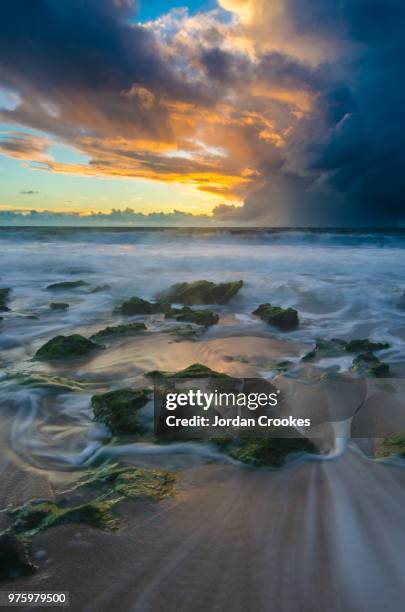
point(72, 61)
point(345, 162)
point(361, 152)
point(283, 70)
point(225, 66)
point(311, 128)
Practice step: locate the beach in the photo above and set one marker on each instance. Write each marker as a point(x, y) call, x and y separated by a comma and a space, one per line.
point(321, 532)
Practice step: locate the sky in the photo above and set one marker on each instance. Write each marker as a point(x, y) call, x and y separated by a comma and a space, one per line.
point(249, 112)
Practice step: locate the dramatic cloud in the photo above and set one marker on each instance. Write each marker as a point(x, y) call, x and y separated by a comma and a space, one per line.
point(342, 162)
point(289, 111)
point(24, 146)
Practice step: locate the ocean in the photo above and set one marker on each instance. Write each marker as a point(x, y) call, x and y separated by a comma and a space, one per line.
point(334, 519)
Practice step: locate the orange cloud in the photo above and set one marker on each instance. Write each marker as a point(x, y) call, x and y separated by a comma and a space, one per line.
point(210, 114)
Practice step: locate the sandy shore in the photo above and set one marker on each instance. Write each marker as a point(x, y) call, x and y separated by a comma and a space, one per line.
point(300, 539)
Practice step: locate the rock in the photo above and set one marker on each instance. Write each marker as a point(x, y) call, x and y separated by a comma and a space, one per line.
point(66, 285)
point(194, 371)
point(66, 347)
point(100, 288)
point(14, 558)
point(199, 317)
point(4, 296)
point(367, 364)
point(393, 445)
point(136, 306)
point(326, 348)
point(38, 515)
point(270, 451)
point(45, 380)
point(200, 292)
point(280, 366)
point(182, 332)
point(285, 319)
point(119, 331)
point(131, 482)
point(58, 306)
point(364, 345)
point(118, 483)
point(118, 410)
point(337, 347)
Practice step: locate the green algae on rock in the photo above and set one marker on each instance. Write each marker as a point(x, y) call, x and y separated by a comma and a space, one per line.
point(118, 410)
point(183, 332)
point(326, 348)
point(367, 364)
point(66, 285)
point(201, 292)
point(337, 347)
point(393, 445)
point(14, 558)
point(119, 331)
point(118, 484)
point(271, 451)
point(130, 481)
point(58, 306)
point(136, 306)
point(38, 515)
point(66, 347)
point(197, 370)
point(100, 288)
point(364, 345)
point(285, 319)
point(4, 296)
point(42, 379)
point(199, 317)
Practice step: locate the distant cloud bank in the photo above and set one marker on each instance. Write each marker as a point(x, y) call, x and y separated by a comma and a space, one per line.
point(126, 217)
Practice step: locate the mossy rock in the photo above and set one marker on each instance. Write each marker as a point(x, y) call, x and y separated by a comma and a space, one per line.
point(100, 288)
point(187, 315)
point(45, 380)
point(326, 348)
point(64, 285)
point(393, 445)
point(283, 366)
point(130, 482)
point(38, 515)
point(271, 451)
point(197, 370)
point(119, 331)
point(367, 364)
point(201, 292)
point(336, 347)
point(66, 347)
point(118, 410)
point(136, 306)
point(285, 319)
point(365, 346)
point(58, 306)
point(144, 483)
point(4, 296)
point(183, 332)
point(14, 558)
point(118, 484)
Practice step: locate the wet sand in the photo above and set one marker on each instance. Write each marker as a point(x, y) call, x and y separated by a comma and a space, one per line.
point(315, 536)
point(300, 539)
